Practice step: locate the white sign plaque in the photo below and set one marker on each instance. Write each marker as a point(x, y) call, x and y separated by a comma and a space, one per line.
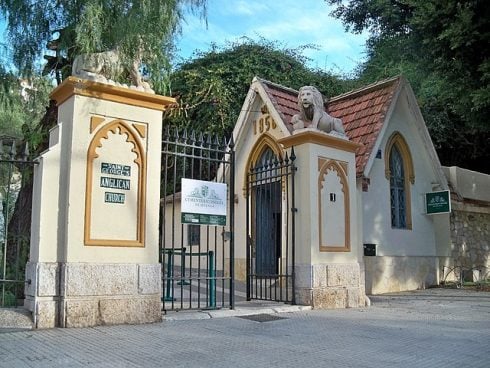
point(203, 202)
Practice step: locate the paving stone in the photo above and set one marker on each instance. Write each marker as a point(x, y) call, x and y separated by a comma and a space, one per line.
point(431, 328)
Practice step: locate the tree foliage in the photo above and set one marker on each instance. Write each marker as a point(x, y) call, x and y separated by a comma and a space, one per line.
point(22, 104)
point(212, 86)
point(138, 29)
point(443, 49)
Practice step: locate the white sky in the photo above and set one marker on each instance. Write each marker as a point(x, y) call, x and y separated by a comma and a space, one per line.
point(290, 22)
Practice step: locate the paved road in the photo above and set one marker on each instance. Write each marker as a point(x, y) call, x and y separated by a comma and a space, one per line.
point(433, 328)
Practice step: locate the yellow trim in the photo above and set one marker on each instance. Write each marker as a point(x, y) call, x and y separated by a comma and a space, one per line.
point(80, 87)
point(317, 137)
point(124, 128)
point(95, 121)
point(397, 140)
point(141, 129)
point(265, 141)
point(338, 167)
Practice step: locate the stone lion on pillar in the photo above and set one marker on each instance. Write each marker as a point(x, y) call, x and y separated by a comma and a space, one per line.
point(106, 66)
point(312, 113)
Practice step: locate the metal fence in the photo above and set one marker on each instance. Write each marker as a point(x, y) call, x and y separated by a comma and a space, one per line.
point(15, 192)
point(270, 229)
point(196, 258)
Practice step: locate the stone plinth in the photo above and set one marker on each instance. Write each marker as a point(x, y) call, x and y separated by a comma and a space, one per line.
point(329, 266)
point(94, 245)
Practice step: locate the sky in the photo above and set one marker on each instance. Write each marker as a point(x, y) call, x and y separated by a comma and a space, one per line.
point(292, 23)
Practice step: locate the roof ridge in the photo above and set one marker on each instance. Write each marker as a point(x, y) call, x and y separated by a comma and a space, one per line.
point(370, 87)
point(279, 86)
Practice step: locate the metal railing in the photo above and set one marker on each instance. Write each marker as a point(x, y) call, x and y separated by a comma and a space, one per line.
point(270, 230)
point(197, 260)
point(15, 186)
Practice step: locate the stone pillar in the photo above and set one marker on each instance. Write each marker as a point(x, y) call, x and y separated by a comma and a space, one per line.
point(94, 233)
point(328, 263)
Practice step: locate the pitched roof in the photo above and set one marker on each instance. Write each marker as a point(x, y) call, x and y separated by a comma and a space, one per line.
point(362, 111)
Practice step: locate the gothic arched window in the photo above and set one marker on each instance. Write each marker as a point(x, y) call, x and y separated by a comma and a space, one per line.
point(399, 171)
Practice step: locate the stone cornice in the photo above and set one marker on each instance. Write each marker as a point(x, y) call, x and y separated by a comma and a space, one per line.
point(309, 135)
point(76, 86)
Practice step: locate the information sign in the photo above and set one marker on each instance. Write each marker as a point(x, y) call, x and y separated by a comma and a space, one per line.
point(203, 202)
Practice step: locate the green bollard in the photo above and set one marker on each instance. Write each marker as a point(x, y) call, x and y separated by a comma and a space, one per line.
point(212, 281)
point(183, 281)
point(168, 297)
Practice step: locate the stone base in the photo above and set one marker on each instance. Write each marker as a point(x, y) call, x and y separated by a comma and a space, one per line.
point(326, 286)
point(83, 294)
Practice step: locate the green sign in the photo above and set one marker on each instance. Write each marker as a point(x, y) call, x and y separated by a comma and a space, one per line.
point(203, 219)
point(115, 169)
point(114, 197)
point(437, 202)
point(115, 183)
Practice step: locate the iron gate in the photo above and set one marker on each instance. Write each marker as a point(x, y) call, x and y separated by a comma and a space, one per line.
point(15, 194)
point(197, 260)
point(270, 228)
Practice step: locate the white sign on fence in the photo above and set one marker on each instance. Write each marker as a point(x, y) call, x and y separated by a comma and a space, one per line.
point(203, 202)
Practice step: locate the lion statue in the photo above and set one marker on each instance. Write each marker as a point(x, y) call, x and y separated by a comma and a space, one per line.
point(106, 66)
point(312, 113)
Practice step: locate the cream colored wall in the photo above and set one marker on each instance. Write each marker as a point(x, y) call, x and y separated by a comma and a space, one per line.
point(311, 195)
point(76, 139)
point(421, 240)
point(44, 223)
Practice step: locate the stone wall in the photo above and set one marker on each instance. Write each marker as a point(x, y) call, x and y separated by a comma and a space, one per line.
point(83, 294)
point(330, 286)
point(470, 237)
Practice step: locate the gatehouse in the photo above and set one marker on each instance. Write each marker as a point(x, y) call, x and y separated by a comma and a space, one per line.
point(311, 201)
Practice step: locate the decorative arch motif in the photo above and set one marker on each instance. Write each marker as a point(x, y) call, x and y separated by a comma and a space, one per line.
point(397, 153)
point(263, 143)
point(340, 169)
point(119, 127)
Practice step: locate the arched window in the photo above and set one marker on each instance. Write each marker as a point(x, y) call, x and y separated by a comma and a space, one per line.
point(399, 171)
point(397, 190)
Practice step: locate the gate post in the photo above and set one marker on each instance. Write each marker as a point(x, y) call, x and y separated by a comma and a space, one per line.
point(94, 243)
point(328, 257)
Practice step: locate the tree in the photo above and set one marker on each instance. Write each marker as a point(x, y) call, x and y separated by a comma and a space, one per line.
point(212, 86)
point(138, 29)
point(443, 48)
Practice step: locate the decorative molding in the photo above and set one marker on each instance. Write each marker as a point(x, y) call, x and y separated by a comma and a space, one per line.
point(341, 169)
point(117, 127)
point(320, 138)
point(76, 86)
point(265, 141)
point(141, 129)
point(95, 121)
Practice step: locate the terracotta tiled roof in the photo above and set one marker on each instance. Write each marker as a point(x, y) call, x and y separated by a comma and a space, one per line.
point(362, 111)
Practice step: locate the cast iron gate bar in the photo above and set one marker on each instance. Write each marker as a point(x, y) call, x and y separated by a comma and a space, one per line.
point(197, 260)
point(14, 245)
point(270, 230)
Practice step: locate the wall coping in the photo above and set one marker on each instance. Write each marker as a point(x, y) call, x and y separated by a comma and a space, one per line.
point(81, 87)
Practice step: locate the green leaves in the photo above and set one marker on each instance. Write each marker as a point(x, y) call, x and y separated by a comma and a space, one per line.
point(442, 48)
point(212, 86)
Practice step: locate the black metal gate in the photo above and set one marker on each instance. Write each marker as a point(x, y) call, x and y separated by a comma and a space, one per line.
point(270, 228)
point(15, 219)
point(197, 259)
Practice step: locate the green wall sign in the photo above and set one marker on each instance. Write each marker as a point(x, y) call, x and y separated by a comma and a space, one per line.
point(438, 202)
